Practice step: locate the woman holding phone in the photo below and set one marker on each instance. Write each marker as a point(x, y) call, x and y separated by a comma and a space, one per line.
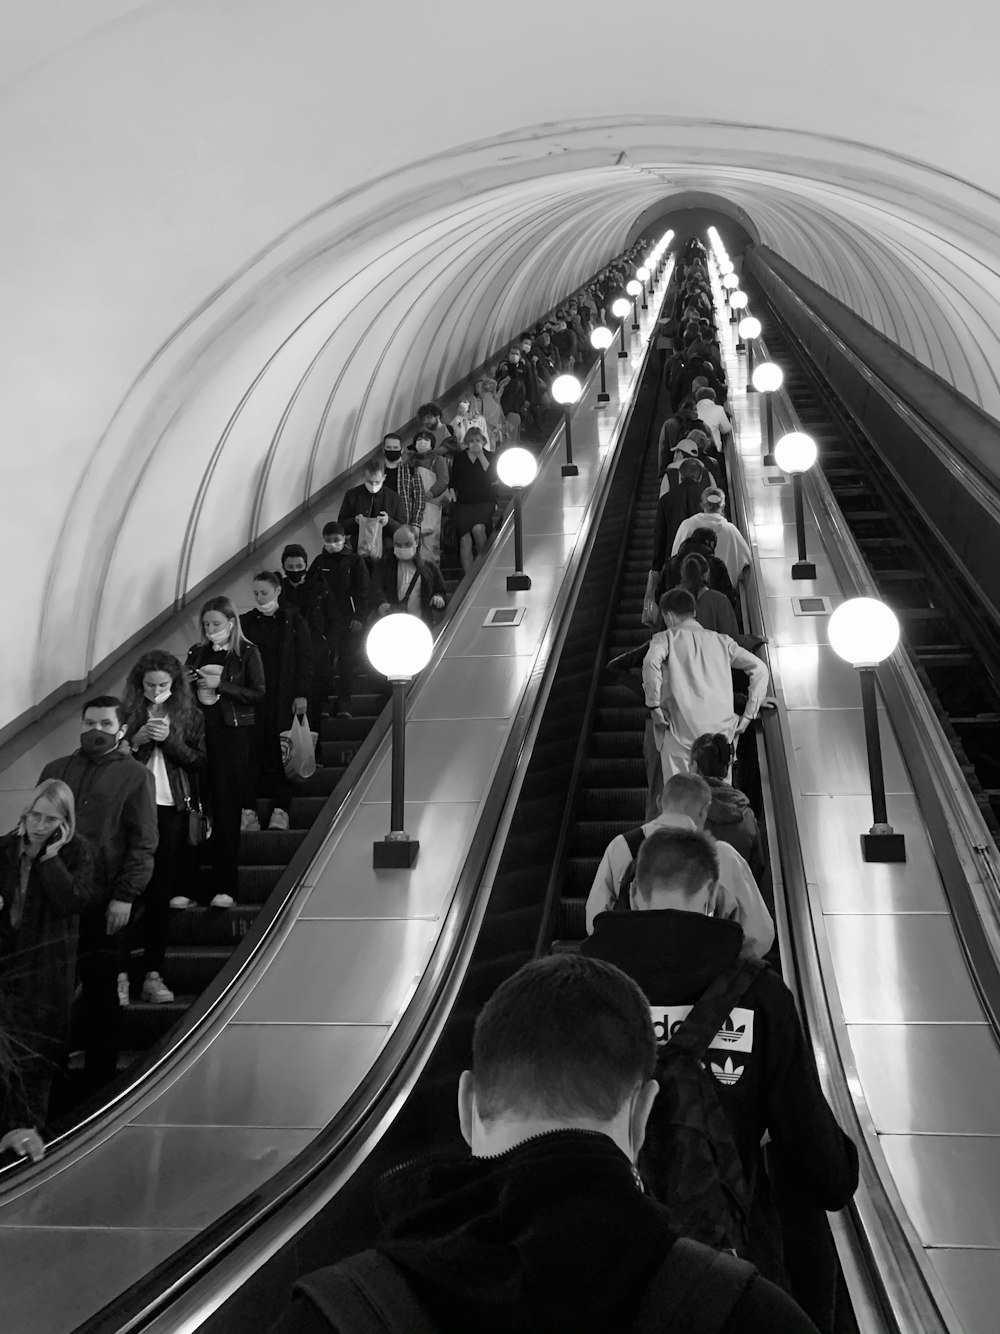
point(46, 877)
point(167, 734)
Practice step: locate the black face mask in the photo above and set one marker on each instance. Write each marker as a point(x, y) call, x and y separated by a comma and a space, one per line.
point(98, 743)
point(295, 576)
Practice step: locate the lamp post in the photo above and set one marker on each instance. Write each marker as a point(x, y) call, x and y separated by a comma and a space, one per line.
point(749, 329)
point(643, 275)
point(737, 302)
point(601, 339)
point(864, 632)
point(730, 282)
point(516, 468)
point(766, 379)
point(795, 454)
point(634, 287)
point(619, 309)
point(566, 389)
point(398, 646)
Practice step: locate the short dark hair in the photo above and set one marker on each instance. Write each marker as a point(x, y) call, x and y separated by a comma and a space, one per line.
point(691, 470)
point(333, 529)
point(106, 702)
point(712, 754)
point(706, 394)
point(685, 860)
point(429, 410)
point(392, 435)
point(272, 577)
point(566, 1036)
point(704, 537)
point(295, 551)
point(678, 602)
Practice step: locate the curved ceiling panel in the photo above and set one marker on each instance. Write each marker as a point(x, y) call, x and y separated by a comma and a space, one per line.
point(233, 256)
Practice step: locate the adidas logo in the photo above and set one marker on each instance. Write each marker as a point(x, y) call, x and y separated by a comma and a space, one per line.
point(727, 1074)
point(730, 1032)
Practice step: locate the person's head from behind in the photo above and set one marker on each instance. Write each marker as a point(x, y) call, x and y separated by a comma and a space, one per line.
point(700, 439)
point(294, 562)
point(705, 394)
point(404, 542)
point(711, 755)
point(50, 814)
point(374, 475)
point(686, 794)
point(695, 575)
point(334, 537)
point(699, 382)
point(702, 539)
point(429, 416)
point(676, 868)
point(713, 501)
point(566, 1043)
point(676, 606)
point(690, 470)
point(103, 720)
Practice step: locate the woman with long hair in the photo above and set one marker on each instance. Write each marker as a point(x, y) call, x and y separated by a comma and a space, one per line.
point(282, 637)
point(227, 674)
point(712, 610)
point(46, 878)
point(167, 734)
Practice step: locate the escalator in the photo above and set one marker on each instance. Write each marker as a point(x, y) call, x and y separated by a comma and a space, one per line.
point(951, 645)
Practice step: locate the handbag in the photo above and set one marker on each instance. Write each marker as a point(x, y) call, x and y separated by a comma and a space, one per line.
point(198, 828)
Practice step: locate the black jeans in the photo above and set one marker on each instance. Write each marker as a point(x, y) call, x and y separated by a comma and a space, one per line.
point(167, 880)
point(265, 775)
point(342, 658)
point(101, 958)
point(225, 779)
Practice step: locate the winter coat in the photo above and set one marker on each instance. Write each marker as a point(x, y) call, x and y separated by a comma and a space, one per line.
point(241, 686)
point(116, 813)
point(296, 662)
point(184, 753)
point(556, 1234)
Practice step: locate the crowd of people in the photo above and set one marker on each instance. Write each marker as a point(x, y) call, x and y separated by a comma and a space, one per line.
point(642, 1109)
point(108, 844)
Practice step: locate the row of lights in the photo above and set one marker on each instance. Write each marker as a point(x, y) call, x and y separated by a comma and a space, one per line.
point(863, 631)
point(399, 646)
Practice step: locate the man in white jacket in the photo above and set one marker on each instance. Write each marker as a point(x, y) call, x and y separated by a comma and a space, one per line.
point(688, 685)
point(731, 546)
point(684, 805)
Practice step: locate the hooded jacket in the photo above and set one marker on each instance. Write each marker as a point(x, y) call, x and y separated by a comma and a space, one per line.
point(554, 1236)
point(115, 799)
point(766, 1077)
point(730, 820)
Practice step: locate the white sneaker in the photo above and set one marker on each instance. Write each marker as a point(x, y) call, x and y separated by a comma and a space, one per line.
point(279, 819)
point(155, 989)
point(249, 824)
point(181, 901)
point(123, 996)
point(222, 901)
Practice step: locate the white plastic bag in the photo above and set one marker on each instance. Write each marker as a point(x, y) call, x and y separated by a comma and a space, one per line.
point(298, 749)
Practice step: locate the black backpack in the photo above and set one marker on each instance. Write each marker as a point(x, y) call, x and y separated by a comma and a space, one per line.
point(694, 1291)
point(689, 1160)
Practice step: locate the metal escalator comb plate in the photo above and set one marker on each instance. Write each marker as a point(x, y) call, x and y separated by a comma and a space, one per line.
point(812, 606)
point(504, 616)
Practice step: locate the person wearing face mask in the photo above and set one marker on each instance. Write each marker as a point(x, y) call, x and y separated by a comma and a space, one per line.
point(167, 734)
point(466, 416)
point(473, 482)
point(282, 637)
point(339, 581)
point(512, 388)
point(486, 392)
point(402, 479)
point(431, 419)
point(371, 513)
point(433, 473)
point(555, 1110)
point(227, 674)
point(115, 798)
point(404, 581)
point(296, 590)
point(46, 879)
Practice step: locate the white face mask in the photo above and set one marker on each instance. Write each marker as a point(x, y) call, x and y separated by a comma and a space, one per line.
point(405, 553)
point(220, 636)
point(334, 547)
point(268, 608)
point(423, 446)
point(373, 487)
point(157, 694)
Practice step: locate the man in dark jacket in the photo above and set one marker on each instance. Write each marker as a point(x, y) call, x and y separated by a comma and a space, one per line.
point(372, 503)
point(766, 1078)
point(674, 506)
point(116, 811)
point(404, 581)
point(546, 1225)
point(296, 591)
point(339, 582)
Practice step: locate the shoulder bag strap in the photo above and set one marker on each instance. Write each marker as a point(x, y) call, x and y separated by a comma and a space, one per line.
point(366, 1294)
point(695, 1034)
point(694, 1291)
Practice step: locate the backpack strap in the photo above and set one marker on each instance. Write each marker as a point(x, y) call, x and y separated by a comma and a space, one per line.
point(694, 1291)
point(366, 1294)
point(623, 901)
point(694, 1036)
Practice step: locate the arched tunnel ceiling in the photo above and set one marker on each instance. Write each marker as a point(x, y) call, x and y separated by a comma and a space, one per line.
point(239, 239)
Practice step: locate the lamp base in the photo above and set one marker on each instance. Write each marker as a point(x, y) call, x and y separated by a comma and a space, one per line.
point(518, 583)
point(883, 844)
point(750, 388)
point(770, 461)
point(570, 470)
point(623, 354)
point(394, 853)
point(803, 569)
point(603, 398)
